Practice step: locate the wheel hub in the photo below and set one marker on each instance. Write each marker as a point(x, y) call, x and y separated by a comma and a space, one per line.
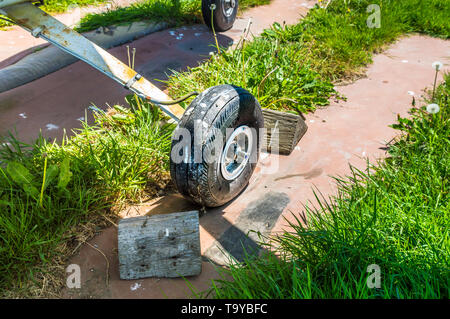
point(236, 153)
point(228, 7)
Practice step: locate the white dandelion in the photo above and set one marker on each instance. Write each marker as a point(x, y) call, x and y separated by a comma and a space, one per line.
point(437, 65)
point(433, 108)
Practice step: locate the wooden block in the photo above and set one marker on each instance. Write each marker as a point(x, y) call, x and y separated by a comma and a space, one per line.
point(159, 246)
point(291, 128)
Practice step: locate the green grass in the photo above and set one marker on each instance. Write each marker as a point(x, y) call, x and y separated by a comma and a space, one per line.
point(172, 12)
point(264, 67)
point(122, 157)
point(395, 214)
point(175, 13)
point(59, 6)
point(292, 67)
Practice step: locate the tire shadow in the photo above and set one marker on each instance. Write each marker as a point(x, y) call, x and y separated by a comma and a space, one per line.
point(234, 242)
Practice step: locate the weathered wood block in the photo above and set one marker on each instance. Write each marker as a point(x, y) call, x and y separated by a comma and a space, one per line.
point(291, 128)
point(160, 246)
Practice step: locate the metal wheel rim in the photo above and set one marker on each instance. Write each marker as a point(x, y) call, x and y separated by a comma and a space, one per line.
point(228, 7)
point(236, 152)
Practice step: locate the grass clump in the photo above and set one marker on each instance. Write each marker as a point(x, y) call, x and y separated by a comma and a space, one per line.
point(175, 13)
point(172, 12)
point(46, 189)
point(292, 67)
point(58, 6)
point(394, 215)
point(265, 68)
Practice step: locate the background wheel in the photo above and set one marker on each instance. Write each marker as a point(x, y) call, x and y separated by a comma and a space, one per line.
point(212, 165)
point(223, 16)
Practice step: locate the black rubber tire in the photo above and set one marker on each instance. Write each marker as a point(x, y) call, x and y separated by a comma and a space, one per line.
point(218, 108)
point(221, 21)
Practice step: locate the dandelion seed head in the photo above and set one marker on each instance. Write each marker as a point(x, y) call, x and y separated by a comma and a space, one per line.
point(437, 65)
point(433, 108)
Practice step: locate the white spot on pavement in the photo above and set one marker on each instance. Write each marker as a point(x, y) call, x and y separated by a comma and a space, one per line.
point(297, 148)
point(197, 34)
point(135, 286)
point(404, 61)
point(51, 126)
point(411, 93)
point(23, 115)
point(311, 121)
point(347, 155)
point(80, 118)
point(167, 232)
